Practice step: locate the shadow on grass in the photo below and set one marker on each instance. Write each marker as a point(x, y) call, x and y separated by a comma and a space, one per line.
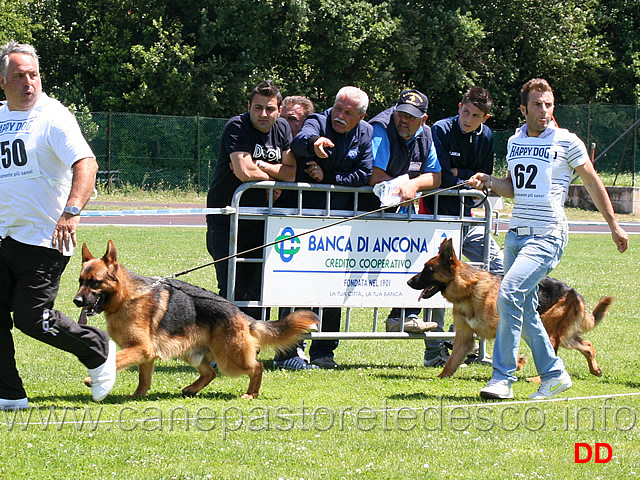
point(422, 396)
point(480, 373)
point(619, 382)
point(47, 401)
point(173, 368)
point(344, 367)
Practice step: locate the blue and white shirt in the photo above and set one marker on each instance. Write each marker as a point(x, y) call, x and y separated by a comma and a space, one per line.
point(541, 169)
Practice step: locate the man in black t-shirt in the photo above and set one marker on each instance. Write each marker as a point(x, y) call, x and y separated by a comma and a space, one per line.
point(254, 146)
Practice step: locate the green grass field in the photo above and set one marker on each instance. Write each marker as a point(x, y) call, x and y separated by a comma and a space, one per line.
point(381, 416)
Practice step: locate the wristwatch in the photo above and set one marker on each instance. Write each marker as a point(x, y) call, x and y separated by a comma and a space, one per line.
point(72, 210)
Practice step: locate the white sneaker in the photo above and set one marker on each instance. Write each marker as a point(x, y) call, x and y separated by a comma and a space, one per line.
point(551, 388)
point(497, 389)
point(103, 378)
point(20, 403)
point(302, 355)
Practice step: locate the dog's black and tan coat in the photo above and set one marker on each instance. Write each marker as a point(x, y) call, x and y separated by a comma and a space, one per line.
point(151, 318)
point(474, 295)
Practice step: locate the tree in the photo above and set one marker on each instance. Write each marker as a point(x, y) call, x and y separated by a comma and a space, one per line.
point(529, 38)
point(240, 43)
point(204, 56)
point(15, 23)
point(435, 51)
point(618, 23)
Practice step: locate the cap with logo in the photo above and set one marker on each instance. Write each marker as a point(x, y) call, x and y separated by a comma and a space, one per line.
point(413, 102)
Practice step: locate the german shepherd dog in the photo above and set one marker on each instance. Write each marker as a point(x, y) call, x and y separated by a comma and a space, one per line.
point(151, 318)
point(474, 294)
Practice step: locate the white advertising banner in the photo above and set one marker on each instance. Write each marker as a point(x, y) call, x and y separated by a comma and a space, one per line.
point(361, 263)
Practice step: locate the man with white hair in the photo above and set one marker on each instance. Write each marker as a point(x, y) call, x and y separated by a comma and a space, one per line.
point(334, 147)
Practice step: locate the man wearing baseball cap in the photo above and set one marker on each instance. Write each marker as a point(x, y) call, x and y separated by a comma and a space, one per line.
point(402, 146)
point(413, 102)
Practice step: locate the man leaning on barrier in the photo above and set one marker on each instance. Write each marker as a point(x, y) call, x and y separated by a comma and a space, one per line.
point(295, 110)
point(255, 145)
point(465, 146)
point(334, 147)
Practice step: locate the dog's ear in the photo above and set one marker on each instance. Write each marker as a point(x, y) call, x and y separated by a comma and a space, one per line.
point(111, 255)
point(447, 253)
point(443, 245)
point(86, 254)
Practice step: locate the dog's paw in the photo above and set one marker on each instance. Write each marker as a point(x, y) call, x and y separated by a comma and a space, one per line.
point(87, 381)
point(250, 396)
point(187, 392)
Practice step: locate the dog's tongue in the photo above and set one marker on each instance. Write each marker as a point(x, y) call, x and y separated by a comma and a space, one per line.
point(428, 293)
point(83, 317)
point(85, 313)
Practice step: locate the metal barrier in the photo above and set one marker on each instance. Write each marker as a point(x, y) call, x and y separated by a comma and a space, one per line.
point(238, 213)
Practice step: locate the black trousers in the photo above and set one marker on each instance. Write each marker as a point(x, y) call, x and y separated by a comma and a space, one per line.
point(330, 323)
point(29, 282)
point(319, 348)
point(248, 283)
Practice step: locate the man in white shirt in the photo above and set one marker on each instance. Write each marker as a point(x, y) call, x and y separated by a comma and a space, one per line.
point(541, 159)
point(47, 176)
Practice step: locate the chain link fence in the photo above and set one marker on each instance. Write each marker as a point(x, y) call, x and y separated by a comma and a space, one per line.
point(154, 151)
point(166, 152)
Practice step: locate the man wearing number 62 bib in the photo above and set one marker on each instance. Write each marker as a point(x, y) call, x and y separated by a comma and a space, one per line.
point(541, 159)
point(47, 174)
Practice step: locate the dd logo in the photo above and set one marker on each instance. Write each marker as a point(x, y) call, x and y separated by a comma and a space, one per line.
point(590, 452)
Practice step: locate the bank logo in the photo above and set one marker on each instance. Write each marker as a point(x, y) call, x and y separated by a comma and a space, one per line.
point(287, 246)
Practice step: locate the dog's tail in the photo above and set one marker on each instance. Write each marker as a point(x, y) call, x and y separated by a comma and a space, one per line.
point(602, 308)
point(285, 333)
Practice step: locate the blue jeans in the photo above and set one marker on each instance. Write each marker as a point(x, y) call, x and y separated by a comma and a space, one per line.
point(527, 260)
point(473, 249)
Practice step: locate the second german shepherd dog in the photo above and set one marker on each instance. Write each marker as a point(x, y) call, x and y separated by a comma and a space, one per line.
point(151, 318)
point(474, 294)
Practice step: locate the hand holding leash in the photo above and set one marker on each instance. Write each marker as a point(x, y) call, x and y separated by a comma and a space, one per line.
point(480, 181)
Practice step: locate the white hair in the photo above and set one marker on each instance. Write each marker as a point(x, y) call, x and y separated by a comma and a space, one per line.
point(14, 47)
point(354, 93)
